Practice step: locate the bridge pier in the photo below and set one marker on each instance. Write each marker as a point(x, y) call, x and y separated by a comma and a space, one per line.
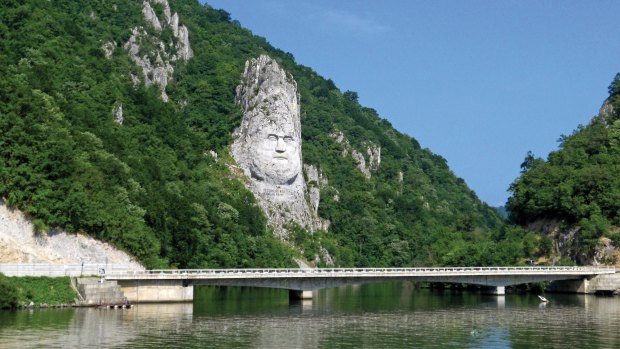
point(571, 286)
point(299, 295)
point(494, 290)
point(157, 291)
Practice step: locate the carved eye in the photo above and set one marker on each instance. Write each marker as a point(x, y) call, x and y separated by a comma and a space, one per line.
point(288, 139)
point(272, 137)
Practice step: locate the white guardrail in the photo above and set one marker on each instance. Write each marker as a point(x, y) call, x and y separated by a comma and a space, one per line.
point(55, 270)
point(336, 272)
point(124, 271)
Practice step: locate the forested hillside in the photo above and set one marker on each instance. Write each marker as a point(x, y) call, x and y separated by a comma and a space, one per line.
point(578, 185)
point(157, 181)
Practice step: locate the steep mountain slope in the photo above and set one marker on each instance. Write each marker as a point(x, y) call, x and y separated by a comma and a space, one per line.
point(116, 119)
point(573, 198)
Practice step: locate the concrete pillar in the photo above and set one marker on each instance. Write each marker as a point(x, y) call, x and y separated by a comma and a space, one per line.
point(572, 286)
point(494, 290)
point(157, 291)
point(584, 286)
point(297, 294)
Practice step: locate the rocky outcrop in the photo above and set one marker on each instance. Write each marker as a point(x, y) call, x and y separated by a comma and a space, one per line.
point(366, 164)
point(567, 244)
point(606, 252)
point(157, 65)
point(20, 244)
point(267, 145)
point(374, 156)
point(180, 32)
point(118, 114)
point(150, 16)
point(316, 181)
point(108, 49)
point(606, 113)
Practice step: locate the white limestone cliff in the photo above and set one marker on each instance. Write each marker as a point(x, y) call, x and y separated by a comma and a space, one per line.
point(567, 243)
point(366, 164)
point(150, 16)
point(158, 65)
point(315, 181)
point(607, 111)
point(108, 49)
point(20, 244)
point(118, 114)
point(267, 145)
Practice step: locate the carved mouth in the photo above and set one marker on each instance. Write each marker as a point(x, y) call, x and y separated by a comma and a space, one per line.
point(280, 157)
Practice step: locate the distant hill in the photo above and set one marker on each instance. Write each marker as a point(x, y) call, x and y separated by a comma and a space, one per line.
point(501, 211)
point(574, 195)
point(116, 119)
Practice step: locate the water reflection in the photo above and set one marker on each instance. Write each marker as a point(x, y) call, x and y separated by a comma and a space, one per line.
point(87, 327)
point(371, 316)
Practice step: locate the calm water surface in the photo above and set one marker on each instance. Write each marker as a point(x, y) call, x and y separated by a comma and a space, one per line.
point(393, 315)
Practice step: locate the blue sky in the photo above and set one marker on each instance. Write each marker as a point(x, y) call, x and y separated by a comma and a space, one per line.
point(480, 83)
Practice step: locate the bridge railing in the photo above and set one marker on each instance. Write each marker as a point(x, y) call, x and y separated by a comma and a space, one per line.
point(109, 269)
point(382, 271)
point(56, 270)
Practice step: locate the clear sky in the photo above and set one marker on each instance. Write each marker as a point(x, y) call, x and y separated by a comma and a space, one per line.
point(480, 83)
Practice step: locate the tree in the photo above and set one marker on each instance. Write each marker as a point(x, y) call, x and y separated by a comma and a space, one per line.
point(8, 294)
point(351, 96)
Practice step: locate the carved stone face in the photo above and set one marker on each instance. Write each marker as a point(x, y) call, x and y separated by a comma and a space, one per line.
point(268, 141)
point(275, 154)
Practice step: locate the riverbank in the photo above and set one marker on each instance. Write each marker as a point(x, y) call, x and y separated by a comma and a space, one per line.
point(28, 291)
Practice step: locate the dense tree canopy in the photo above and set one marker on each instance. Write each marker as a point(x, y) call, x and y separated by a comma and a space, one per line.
point(150, 187)
point(579, 183)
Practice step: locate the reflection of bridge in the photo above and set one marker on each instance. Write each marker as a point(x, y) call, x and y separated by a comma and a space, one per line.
point(174, 285)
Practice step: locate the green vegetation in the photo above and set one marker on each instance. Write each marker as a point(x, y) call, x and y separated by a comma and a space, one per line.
point(9, 298)
point(15, 291)
point(579, 183)
point(148, 187)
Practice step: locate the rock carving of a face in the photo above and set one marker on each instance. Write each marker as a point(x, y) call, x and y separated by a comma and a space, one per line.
point(268, 142)
point(276, 154)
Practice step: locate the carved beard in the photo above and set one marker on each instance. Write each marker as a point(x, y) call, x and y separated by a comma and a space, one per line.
point(279, 173)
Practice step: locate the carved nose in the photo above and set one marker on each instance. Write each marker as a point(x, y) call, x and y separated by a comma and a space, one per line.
point(280, 148)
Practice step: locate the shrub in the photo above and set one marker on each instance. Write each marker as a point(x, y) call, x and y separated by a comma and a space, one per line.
point(8, 294)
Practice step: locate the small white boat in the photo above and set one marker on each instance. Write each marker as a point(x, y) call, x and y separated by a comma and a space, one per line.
point(543, 299)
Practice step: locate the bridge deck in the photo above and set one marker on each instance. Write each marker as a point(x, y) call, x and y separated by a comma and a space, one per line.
point(193, 274)
point(314, 279)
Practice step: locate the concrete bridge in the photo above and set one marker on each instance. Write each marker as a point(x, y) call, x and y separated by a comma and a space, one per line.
point(177, 285)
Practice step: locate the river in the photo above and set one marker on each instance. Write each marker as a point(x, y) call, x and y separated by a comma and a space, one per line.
point(389, 315)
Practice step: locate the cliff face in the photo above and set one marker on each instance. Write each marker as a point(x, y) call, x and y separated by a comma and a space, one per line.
point(365, 164)
point(20, 244)
point(267, 146)
point(156, 57)
point(567, 244)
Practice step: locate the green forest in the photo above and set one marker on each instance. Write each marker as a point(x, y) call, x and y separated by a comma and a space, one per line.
point(150, 187)
point(578, 184)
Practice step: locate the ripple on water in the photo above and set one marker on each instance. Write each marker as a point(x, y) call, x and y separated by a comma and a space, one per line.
point(373, 316)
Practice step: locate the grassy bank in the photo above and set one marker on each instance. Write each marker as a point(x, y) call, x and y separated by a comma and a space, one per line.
point(15, 291)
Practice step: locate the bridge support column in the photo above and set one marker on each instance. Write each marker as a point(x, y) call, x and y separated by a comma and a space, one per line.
point(572, 286)
point(299, 295)
point(494, 290)
point(157, 291)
